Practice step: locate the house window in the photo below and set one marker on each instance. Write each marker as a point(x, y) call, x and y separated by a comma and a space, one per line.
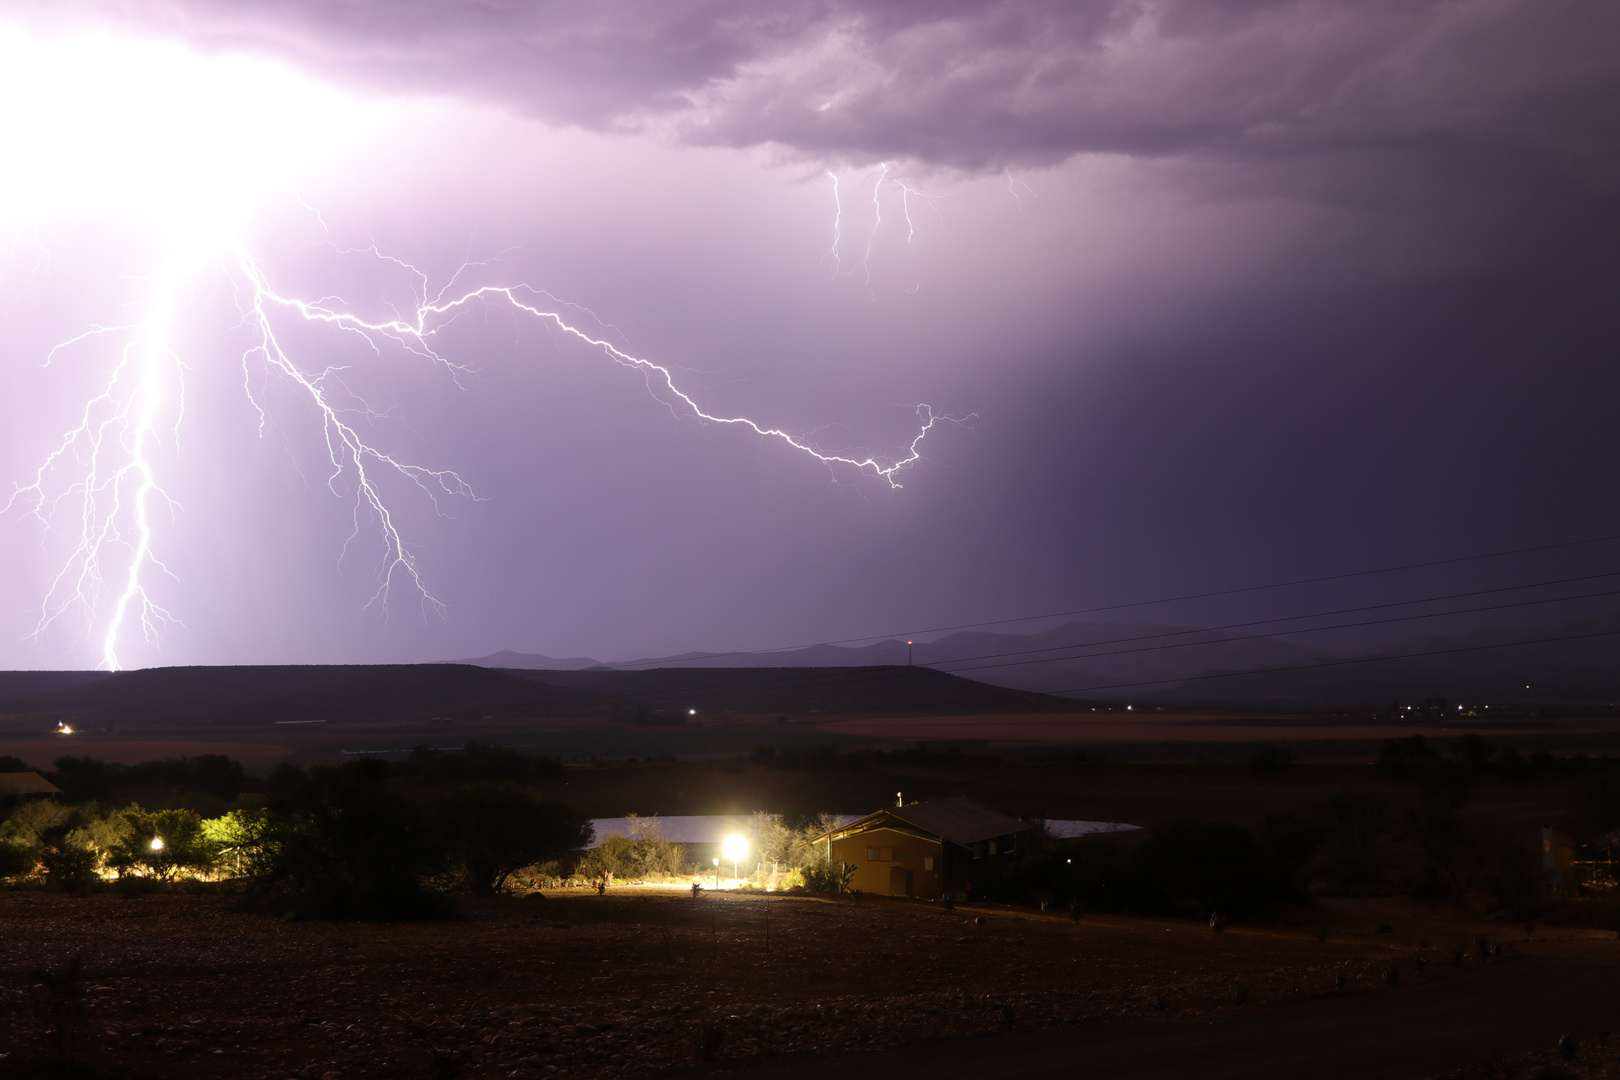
point(885, 854)
point(873, 855)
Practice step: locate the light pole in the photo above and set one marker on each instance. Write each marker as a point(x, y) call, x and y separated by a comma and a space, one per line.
point(734, 848)
point(908, 654)
point(717, 874)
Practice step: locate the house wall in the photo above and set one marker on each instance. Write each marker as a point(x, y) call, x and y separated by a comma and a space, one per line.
point(898, 854)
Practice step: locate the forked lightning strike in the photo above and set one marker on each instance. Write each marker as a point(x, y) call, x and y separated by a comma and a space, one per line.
point(101, 477)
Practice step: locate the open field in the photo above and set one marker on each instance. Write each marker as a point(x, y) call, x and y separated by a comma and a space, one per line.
point(1155, 736)
point(266, 715)
point(580, 985)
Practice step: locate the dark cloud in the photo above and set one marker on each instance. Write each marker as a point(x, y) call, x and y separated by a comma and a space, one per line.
point(975, 84)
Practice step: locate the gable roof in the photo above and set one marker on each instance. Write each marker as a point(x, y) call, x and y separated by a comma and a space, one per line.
point(26, 783)
point(959, 820)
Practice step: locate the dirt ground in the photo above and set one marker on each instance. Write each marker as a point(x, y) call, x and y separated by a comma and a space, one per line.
point(642, 981)
point(1474, 1025)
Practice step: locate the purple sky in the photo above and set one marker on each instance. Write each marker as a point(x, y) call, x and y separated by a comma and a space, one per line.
point(1224, 293)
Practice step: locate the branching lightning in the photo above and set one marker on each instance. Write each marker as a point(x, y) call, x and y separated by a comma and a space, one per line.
point(111, 485)
point(887, 175)
point(78, 103)
point(1013, 184)
point(100, 485)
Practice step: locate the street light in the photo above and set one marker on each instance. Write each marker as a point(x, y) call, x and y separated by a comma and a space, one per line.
point(156, 844)
point(734, 848)
point(717, 874)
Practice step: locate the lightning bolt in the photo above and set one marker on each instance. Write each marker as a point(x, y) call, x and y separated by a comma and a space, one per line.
point(1013, 185)
point(101, 477)
point(877, 220)
point(111, 484)
point(906, 192)
point(838, 220)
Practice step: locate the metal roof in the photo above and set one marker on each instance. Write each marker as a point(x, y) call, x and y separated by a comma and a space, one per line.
point(26, 783)
point(960, 821)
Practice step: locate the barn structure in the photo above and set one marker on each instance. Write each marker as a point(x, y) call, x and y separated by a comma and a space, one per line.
point(17, 784)
point(927, 849)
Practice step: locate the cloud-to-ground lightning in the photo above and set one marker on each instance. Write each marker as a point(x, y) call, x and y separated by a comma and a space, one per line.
point(99, 496)
point(100, 484)
point(111, 486)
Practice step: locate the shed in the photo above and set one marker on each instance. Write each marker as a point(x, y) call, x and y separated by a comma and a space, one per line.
point(927, 849)
point(13, 784)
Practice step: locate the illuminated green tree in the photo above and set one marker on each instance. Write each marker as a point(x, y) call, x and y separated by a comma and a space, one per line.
point(161, 844)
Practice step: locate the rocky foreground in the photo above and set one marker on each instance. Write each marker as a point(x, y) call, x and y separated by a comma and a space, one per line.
point(184, 986)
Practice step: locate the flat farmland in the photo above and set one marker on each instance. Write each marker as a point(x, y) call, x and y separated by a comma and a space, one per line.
point(637, 983)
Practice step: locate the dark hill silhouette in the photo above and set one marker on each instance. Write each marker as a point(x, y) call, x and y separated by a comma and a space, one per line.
point(794, 690)
point(187, 696)
point(249, 696)
point(18, 686)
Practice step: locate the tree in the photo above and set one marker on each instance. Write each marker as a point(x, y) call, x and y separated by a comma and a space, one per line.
point(1355, 821)
point(342, 844)
point(17, 857)
point(491, 829)
point(161, 844)
point(1220, 866)
point(81, 778)
point(1445, 838)
point(1270, 760)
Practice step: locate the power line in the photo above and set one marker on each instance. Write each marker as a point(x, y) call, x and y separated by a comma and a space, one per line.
point(1299, 618)
point(638, 664)
point(1303, 630)
point(728, 689)
point(1344, 663)
point(1008, 695)
point(880, 673)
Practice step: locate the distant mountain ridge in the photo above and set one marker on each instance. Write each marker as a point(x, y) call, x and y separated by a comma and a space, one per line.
point(1182, 664)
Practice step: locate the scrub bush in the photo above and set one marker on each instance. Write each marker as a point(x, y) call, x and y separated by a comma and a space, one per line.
point(343, 844)
point(491, 830)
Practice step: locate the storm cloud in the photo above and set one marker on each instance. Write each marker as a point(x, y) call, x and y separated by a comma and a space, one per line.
point(975, 85)
point(1234, 289)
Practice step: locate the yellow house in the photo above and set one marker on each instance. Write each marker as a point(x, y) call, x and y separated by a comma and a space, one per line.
point(926, 850)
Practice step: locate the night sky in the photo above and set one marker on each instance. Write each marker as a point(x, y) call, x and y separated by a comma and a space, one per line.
point(1214, 294)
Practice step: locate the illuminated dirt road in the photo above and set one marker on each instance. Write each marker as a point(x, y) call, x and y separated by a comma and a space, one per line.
point(1510, 1007)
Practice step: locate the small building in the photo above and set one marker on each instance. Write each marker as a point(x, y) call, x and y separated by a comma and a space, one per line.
point(16, 784)
point(927, 849)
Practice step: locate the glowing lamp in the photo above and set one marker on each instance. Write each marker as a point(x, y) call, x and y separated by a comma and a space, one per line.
point(734, 847)
point(156, 844)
